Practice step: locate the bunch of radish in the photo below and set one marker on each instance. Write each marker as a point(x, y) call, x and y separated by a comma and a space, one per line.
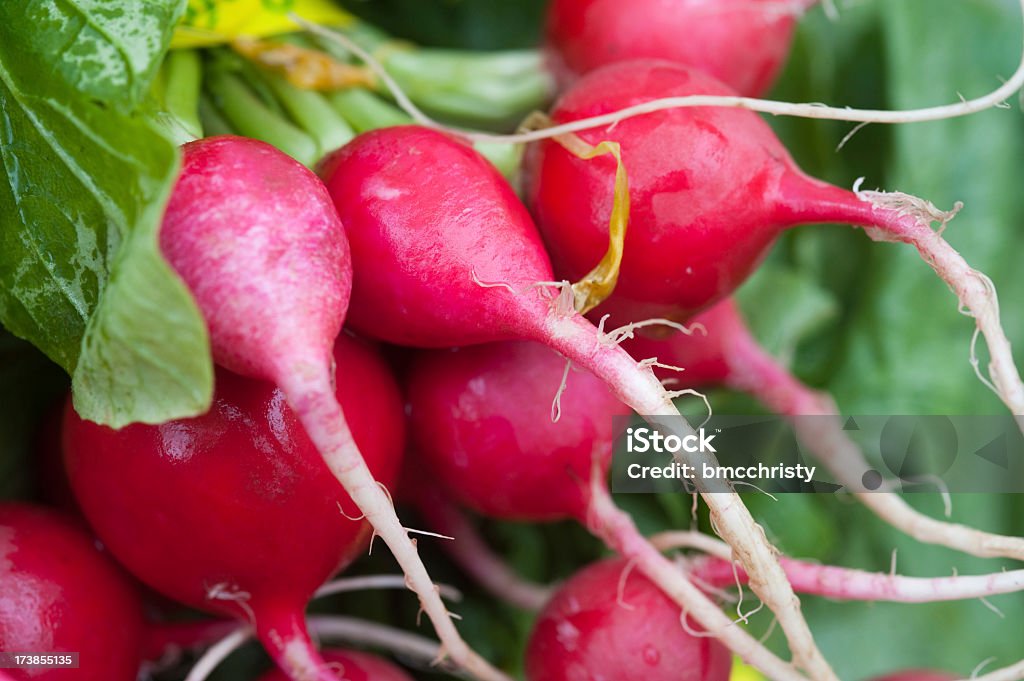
point(407, 235)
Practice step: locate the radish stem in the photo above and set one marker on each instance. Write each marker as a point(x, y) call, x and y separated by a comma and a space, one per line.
point(620, 533)
point(639, 389)
point(285, 638)
point(311, 395)
point(472, 554)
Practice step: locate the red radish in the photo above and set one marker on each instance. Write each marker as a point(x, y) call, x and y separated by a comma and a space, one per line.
point(721, 352)
point(254, 235)
point(234, 512)
point(711, 188)
point(481, 416)
point(60, 594)
point(352, 665)
point(445, 255)
point(727, 354)
point(741, 42)
point(609, 622)
point(240, 206)
point(164, 639)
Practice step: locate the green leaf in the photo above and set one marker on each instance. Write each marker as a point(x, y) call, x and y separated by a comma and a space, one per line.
point(106, 50)
point(81, 276)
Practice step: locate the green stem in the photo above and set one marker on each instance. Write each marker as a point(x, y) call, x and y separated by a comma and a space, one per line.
point(182, 71)
point(367, 111)
point(312, 111)
point(213, 120)
point(471, 87)
point(251, 117)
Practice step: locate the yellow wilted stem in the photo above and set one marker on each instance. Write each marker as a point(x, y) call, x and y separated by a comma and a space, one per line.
point(595, 287)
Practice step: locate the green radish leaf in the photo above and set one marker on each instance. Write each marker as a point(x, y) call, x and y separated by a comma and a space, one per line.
point(86, 182)
point(783, 306)
point(106, 50)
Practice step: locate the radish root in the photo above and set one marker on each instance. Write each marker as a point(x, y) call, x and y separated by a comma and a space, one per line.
point(471, 553)
point(908, 219)
point(312, 397)
point(843, 583)
point(638, 388)
point(618, 530)
point(754, 371)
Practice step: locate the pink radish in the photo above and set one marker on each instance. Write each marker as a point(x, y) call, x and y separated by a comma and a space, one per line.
point(254, 235)
point(234, 512)
point(727, 354)
point(710, 191)
point(59, 594)
point(741, 42)
point(609, 622)
point(444, 254)
point(352, 665)
point(480, 417)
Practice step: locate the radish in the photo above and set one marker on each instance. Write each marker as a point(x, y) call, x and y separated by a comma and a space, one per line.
point(254, 235)
point(741, 42)
point(234, 512)
point(444, 254)
point(481, 418)
point(60, 594)
point(710, 191)
point(609, 622)
point(727, 354)
point(352, 665)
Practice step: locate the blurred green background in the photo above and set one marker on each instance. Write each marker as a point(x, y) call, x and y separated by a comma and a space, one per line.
point(869, 322)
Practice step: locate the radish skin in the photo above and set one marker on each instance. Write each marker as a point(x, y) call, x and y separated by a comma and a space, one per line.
point(204, 509)
point(741, 42)
point(446, 255)
point(60, 593)
point(708, 200)
point(515, 463)
point(255, 237)
point(609, 622)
